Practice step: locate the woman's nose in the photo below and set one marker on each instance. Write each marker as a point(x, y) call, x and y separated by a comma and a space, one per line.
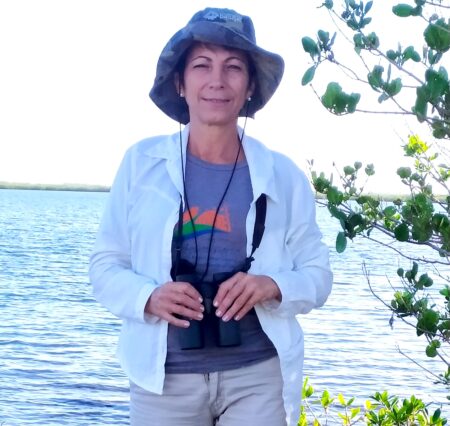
point(217, 77)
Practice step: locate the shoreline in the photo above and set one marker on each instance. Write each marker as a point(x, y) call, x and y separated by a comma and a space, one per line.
point(55, 186)
point(104, 188)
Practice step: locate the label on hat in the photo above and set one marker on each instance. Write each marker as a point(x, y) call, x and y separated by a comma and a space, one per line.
point(223, 16)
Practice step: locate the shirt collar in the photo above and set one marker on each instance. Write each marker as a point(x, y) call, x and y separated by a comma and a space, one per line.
point(259, 158)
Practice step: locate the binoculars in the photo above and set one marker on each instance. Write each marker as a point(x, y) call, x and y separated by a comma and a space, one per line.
point(226, 333)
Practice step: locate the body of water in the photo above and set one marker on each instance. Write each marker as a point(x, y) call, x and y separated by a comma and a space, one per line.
point(57, 344)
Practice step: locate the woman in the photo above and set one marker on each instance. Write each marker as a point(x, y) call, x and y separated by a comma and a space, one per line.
point(208, 247)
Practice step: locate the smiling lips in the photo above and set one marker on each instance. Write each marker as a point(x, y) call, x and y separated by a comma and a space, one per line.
point(216, 100)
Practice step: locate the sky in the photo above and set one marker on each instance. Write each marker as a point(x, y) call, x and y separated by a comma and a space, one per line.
point(75, 78)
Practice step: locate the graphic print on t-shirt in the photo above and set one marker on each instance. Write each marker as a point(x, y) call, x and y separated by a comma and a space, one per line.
point(203, 222)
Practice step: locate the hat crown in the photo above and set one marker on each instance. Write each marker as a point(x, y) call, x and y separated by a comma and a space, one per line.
point(233, 20)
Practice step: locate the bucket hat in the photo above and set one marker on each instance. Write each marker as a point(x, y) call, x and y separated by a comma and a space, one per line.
point(223, 27)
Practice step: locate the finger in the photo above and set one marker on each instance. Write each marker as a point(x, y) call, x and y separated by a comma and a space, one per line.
point(177, 322)
point(224, 289)
point(178, 314)
point(190, 290)
point(252, 290)
point(186, 313)
point(179, 305)
point(235, 299)
point(239, 308)
point(244, 310)
point(185, 301)
point(227, 301)
point(244, 295)
point(183, 294)
point(175, 305)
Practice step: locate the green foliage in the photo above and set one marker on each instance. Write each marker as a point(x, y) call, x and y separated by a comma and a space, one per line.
point(309, 75)
point(435, 92)
point(432, 348)
point(355, 14)
point(392, 72)
point(362, 42)
point(401, 232)
point(414, 79)
point(414, 220)
point(380, 409)
point(339, 102)
point(405, 10)
point(341, 242)
point(310, 46)
point(399, 57)
point(388, 88)
point(437, 35)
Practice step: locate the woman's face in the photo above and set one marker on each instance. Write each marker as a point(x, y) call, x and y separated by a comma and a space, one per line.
point(216, 84)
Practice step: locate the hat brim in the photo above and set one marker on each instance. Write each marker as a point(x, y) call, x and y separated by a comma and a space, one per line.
point(269, 68)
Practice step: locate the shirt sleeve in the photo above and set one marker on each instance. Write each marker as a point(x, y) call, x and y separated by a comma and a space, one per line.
point(115, 285)
point(308, 284)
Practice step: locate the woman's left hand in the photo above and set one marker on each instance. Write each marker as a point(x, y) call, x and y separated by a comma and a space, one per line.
point(240, 293)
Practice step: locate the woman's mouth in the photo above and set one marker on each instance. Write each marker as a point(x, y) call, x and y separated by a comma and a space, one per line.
point(216, 100)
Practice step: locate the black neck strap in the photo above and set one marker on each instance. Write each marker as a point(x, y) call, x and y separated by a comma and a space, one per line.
point(258, 232)
point(178, 238)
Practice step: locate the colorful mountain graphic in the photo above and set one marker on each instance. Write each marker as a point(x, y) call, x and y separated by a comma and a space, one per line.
point(203, 222)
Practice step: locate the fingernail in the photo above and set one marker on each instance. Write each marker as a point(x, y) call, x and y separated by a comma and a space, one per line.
point(225, 318)
point(237, 317)
point(186, 324)
point(200, 316)
point(218, 313)
point(200, 299)
point(215, 304)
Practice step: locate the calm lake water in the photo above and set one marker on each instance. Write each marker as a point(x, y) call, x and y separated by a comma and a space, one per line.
point(57, 344)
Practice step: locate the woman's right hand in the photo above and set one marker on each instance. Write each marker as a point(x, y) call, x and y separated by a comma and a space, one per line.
point(173, 300)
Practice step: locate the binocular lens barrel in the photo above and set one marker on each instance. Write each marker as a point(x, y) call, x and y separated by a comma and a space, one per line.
point(226, 333)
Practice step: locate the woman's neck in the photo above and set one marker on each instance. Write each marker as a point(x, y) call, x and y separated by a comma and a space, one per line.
point(214, 144)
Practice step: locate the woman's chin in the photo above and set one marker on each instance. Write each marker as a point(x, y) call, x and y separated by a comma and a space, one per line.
point(221, 120)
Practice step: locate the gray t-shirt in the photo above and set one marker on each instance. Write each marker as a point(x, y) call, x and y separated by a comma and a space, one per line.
point(205, 185)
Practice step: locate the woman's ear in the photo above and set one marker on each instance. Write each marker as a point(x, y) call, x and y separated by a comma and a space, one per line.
point(178, 85)
point(251, 89)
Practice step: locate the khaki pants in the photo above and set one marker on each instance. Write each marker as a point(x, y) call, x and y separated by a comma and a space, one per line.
point(247, 396)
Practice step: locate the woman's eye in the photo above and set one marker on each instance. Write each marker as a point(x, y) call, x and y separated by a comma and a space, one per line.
point(234, 67)
point(200, 65)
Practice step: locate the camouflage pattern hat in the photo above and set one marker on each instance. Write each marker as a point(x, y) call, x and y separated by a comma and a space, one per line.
point(223, 27)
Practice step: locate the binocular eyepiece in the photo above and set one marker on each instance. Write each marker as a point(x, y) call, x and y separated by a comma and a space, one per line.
point(226, 333)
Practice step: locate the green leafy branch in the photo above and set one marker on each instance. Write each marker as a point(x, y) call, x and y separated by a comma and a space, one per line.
point(432, 91)
point(422, 218)
point(380, 409)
